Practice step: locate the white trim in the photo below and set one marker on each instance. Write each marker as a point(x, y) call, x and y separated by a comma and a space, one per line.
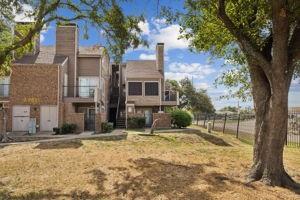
point(58, 92)
point(75, 61)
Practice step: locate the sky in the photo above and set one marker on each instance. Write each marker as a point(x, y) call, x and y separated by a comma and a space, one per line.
point(180, 62)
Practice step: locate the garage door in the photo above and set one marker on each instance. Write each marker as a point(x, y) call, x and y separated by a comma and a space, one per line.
point(21, 118)
point(48, 118)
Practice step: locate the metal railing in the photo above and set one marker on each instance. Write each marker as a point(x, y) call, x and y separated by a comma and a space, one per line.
point(79, 91)
point(170, 96)
point(4, 90)
point(243, 126)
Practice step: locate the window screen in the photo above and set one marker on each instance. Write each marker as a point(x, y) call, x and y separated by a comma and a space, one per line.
point(151, 89)
point(134, 88)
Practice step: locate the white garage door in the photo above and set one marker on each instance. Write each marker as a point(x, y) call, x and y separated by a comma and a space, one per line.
point(21, 118)
point(48, 118)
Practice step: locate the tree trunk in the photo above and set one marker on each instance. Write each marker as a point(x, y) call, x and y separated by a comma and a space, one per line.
point(271, 106)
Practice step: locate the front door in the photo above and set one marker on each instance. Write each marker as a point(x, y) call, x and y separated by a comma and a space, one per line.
point(89, 119)
point(148, 116)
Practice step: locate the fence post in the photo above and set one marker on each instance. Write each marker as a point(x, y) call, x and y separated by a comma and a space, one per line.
point(213, 126)
point(198, 119)
point(204, 120)
point(225, 118)
point(238, 126)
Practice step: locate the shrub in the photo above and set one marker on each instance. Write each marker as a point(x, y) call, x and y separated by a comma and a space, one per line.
point(181, 118)
point(68, 128)
point(136, 122)
point(107, 127)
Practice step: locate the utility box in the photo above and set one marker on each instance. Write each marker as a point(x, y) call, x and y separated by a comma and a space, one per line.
point(209, 127)
point(32, 126)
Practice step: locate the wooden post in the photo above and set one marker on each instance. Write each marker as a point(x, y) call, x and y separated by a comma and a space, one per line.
point(204, 120)
point(198, 119)
point(213, 125)
point(238, 126)
point(224, 126)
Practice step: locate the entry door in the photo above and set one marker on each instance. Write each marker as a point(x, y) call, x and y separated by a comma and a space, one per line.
point(148, 116)
point(48, 118)
point(89, 120)
point(21, 118)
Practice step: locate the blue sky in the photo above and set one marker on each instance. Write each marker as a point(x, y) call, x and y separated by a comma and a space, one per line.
point(180, 62)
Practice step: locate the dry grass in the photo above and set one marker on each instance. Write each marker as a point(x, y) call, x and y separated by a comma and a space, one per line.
point(165, 166)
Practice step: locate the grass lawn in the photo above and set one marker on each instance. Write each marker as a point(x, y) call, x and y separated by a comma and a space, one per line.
point(165, 166)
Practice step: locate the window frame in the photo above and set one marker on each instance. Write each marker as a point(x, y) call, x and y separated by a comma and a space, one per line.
point(128, 92)
point(158, 90)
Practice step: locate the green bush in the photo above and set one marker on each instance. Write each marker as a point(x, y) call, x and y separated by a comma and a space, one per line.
point(68, 128)
point(107, 127)
point(181, 118)
point(136, 122)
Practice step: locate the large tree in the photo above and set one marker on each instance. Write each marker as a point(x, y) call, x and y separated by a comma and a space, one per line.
point(267, 35)
point(121, 31)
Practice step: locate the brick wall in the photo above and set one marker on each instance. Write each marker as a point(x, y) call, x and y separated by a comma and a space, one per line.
point(98, 123)
point(33, 85)
point(76, 118)
point(164, 120)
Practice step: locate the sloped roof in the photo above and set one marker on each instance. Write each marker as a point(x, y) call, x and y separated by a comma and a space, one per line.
point(45, 56)
point(95, 50)
point(142, 69)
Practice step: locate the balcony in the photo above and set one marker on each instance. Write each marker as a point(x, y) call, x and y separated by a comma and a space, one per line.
point(4, 90)
point(171, 98)
point(78, 94)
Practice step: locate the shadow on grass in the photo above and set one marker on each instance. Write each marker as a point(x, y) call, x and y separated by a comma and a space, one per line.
point(169, 180)
point(72, 144)
point(212, 139)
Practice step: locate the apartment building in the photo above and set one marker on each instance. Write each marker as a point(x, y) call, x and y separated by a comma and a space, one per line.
point(139, 89)
point(64, 83)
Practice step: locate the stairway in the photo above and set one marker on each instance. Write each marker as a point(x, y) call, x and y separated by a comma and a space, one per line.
point(120, 123)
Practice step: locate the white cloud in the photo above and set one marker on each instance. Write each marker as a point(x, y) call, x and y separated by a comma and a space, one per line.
point(42, 38)
point(170, 36)
point(203, 86)
point(25, 15)
point(196, 70)
point(144, 26)
point(144, 56)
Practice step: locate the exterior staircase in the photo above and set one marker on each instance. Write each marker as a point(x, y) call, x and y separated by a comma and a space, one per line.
point(120, 123)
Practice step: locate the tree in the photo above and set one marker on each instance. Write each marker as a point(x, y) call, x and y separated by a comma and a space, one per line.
point(190, 98)
point(121, 31)
point(267, 35)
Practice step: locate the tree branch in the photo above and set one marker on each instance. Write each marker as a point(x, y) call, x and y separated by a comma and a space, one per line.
point(250, 49)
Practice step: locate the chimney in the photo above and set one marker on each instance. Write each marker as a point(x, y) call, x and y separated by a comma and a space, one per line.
point(67, 45)
point(160, 57)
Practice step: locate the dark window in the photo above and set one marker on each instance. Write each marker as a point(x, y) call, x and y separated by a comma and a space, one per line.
point(151, 89)
point(134, 88)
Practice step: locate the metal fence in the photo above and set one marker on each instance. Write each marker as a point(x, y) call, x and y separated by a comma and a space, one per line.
point(243, 126)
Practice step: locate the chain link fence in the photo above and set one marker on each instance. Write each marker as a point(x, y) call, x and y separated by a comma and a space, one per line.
point(243, 126)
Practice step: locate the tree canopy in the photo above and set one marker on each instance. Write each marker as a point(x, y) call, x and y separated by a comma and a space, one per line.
point(121, 31)
point(190, 98)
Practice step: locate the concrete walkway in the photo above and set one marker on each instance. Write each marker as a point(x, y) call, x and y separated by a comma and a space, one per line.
point(117, 134)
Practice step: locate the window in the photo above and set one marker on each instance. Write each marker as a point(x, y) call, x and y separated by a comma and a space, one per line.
point(87, 86)
point(4, 86)
point(135, 88)
point(151, 88)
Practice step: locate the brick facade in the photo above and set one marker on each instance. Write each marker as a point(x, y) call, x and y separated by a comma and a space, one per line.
point(76, 118)
point(34, 86)
point(164, 120)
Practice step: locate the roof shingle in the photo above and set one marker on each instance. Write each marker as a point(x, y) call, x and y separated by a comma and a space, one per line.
point(142, 69)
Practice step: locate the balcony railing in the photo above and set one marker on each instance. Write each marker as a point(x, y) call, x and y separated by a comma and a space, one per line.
point(170, 95)
point(4, 90)
point(79, 91)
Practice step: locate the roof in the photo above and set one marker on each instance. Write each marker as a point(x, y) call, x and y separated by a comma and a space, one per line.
point(45, 56)
point(142, 69)
point(91, 50)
